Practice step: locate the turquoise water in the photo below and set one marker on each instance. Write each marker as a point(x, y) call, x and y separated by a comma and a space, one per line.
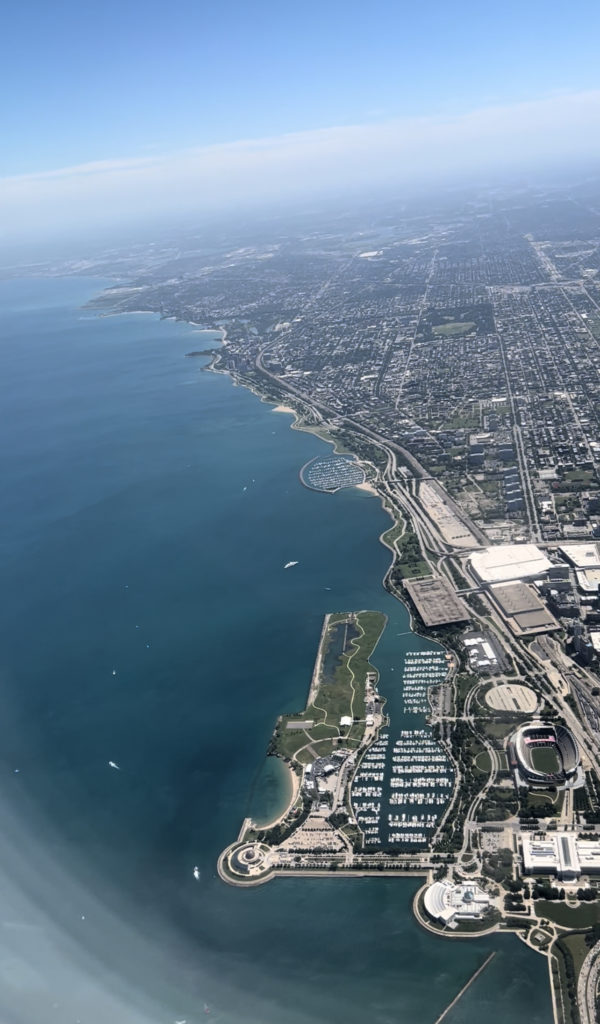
point(146, 513)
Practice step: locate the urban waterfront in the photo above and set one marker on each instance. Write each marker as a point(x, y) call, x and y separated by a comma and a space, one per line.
point(147, 513)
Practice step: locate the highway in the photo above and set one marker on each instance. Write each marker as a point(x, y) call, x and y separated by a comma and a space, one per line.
point(530, 506)
point(587, 986)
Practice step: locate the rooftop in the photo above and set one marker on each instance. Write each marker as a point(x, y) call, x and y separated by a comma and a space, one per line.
point(561, 854)
point(436, 601)
point(523, 608)
point(582, 556)
point(445, 901)
point(509, 562)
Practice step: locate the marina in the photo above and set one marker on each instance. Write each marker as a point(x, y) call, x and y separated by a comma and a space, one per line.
point(404, 780)
point(422, 670)
point(331, 473)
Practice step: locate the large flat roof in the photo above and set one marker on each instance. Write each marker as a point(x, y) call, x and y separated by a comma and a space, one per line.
point(517, 598)
point(509, 562)
point(588, 579)
point(436, 601)
point(562, 853)
point(523, 608)
point(582, 556)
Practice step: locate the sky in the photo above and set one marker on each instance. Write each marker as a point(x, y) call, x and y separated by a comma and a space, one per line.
point(179, 102)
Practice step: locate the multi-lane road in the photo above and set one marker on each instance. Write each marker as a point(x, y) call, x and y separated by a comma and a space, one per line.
point(587, 986)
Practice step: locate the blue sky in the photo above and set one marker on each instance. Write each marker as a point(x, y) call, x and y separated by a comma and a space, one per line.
point(95, 80)
point(125, 109)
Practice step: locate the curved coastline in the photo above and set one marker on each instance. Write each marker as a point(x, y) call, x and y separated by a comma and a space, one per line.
point(371, 486)
point(293, 787)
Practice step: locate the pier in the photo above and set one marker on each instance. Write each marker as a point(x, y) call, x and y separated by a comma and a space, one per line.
point(473, 978)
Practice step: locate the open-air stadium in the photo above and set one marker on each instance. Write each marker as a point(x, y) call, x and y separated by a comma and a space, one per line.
point(545, 755)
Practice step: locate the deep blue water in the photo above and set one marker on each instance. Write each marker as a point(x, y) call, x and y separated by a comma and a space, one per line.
point(146, 511)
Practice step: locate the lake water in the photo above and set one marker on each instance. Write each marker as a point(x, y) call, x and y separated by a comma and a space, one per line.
point(147, 510)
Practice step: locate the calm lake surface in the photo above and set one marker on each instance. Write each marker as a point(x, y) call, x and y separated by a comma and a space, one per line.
point(147, 510)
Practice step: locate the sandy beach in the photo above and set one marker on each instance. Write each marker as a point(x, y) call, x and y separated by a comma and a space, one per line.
point(369, 488)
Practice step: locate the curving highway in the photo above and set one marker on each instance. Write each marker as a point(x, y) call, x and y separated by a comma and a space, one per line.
point(587, 986)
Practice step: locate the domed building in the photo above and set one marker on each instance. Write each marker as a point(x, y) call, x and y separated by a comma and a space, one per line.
point(451, 903)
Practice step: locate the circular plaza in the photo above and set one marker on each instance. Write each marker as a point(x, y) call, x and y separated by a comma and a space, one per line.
point(246, 863)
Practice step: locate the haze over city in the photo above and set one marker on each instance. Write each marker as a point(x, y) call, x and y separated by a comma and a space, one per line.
point(135, 113)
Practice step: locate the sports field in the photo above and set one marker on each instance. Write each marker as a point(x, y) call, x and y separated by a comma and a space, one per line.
point(545, 759)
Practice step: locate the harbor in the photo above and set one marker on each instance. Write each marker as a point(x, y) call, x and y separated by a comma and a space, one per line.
point(404, 780)
point(331, 473)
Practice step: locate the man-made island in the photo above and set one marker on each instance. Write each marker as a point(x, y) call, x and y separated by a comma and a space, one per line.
point(323, 745)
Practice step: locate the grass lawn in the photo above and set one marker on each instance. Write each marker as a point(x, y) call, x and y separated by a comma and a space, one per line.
point(410, 570)
point(545, 759)
point(323, 732)
point(566, 502)
point(542, 803)
point(565, 1015)
point(461, 421)
point(503, 794)
point(578, 947)
point(342, 694)
point(498, 729)
point(490, 487)
point(410, 562)
point(583, 916)
point(580, 476)
point(391, 536)
point(465, 682)
point(455, 327)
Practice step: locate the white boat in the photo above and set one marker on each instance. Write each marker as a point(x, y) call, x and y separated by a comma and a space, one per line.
point(288, 565)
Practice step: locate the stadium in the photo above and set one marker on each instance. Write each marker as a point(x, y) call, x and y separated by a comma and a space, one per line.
point(545, 755)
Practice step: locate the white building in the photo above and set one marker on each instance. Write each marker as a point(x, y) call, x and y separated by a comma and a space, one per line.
point(561, 854)
point(505, 562)
point(453, 903)
point(582, 556)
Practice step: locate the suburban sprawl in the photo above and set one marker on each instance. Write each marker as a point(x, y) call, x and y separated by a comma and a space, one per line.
point(449, 350)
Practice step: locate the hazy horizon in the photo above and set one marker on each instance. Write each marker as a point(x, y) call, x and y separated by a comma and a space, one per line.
point(134, 115)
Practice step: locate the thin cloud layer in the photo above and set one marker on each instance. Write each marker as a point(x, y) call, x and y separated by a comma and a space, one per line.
point(399, 152)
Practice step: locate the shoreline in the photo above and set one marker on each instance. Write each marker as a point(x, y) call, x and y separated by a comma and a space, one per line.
point(321, 432)
point(302, 413)
point(293, 784)
point(319, 873)
point(367, 486)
